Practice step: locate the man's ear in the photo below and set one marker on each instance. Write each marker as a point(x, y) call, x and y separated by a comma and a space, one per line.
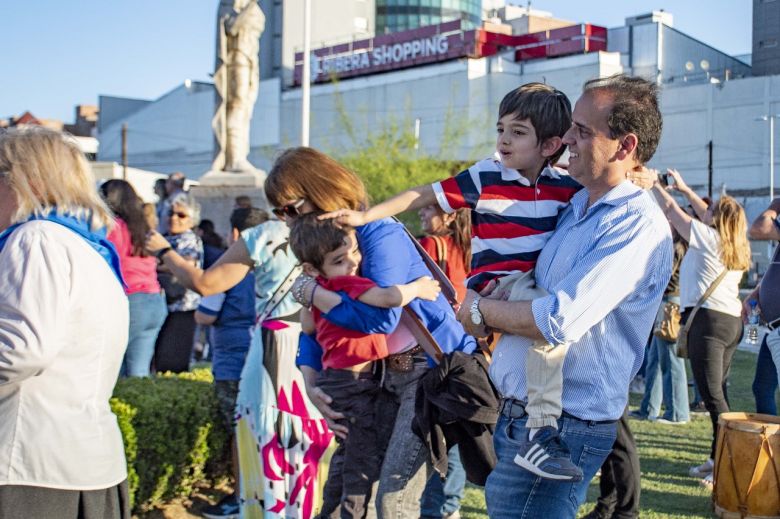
point(550, 146)
point(627, 147)
point(309, 270)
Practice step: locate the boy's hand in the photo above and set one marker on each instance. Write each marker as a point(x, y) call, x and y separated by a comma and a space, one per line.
point(427, 288)
point(643, 177)
point(346, 217)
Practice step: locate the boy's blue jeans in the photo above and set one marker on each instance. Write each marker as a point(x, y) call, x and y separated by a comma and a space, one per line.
point(512, 492)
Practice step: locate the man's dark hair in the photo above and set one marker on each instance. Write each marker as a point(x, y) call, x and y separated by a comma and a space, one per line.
point(548, 109)
point(311, 239)
point(634, 110)
point(243, 201)
point(247, 217)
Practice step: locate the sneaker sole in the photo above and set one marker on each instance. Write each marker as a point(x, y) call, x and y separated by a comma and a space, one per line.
point(530, 467)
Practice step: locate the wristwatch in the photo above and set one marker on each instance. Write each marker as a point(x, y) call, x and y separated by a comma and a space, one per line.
point(162, 252)
point(476, 315)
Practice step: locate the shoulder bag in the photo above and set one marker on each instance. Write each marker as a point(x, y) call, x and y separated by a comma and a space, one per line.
point(682, 340)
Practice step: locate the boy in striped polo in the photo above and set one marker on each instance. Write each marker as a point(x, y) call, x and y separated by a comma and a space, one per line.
point(515, 199)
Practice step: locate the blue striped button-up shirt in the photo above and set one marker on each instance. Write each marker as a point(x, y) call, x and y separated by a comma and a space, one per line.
point(605, 267)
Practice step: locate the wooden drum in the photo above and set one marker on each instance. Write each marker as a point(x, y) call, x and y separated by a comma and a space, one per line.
point(747, 466)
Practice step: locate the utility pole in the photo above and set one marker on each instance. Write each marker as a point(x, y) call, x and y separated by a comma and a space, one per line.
point(709, 170)
point(124, 151)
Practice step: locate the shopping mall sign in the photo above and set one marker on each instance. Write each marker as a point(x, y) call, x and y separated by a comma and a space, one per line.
point(387, 52)
point(443, 42)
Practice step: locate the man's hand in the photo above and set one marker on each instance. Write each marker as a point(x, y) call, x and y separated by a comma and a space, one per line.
point(346, 217)
point(322, 402)
point(464, 316)
point(753, 296)
point(155, 242)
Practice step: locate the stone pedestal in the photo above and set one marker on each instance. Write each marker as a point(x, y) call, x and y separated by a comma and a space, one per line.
point(217, 194)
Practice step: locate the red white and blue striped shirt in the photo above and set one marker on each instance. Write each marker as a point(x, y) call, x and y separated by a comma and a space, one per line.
point(511, 219)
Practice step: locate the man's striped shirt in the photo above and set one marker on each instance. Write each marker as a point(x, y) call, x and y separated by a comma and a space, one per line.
point(511, 219)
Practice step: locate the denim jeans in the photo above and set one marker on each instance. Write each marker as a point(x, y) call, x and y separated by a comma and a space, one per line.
point(147, 314)
point(665, 379)
point(440, 499)
point(765, 380)
point(407, 464)
point(512, 492)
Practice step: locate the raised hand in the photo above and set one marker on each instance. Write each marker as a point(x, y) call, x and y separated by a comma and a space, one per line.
point(346, 217)
point(155, 242)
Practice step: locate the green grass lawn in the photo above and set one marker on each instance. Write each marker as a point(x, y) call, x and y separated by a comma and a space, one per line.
point(665, 452)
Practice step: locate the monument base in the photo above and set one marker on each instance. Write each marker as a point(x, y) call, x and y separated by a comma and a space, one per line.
point(251, 178)
point(217, 194)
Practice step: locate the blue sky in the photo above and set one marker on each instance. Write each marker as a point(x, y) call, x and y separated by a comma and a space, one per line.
point(58, 54)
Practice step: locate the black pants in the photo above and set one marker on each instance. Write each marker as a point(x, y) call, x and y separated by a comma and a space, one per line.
point(25, 502)
point(712, 341)
point(173, 348)
point(359, 458)
point(620, 477)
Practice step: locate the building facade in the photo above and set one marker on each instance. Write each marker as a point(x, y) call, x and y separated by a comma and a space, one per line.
point(766, 37)
point(403, 15)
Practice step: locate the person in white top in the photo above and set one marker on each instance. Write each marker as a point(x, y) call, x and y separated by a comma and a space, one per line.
point(717, 243)
point(63, 330)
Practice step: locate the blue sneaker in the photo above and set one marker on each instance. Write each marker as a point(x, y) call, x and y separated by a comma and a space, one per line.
point(227, 508)
point(548, 457)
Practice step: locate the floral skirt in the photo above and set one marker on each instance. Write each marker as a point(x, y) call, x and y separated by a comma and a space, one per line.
point(283, 440)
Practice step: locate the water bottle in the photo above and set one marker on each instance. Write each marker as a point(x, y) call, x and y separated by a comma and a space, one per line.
point(753, 320)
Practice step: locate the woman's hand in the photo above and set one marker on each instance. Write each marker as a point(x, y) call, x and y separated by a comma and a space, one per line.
point(427, 288)
point(322, 402)
point(346, 217)
point(155, 242)
point(679, 184)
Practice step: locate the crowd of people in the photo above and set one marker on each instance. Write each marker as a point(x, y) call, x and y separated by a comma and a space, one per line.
point(533, 299)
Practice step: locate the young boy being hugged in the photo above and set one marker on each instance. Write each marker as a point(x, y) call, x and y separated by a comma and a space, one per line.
point(515, 199)
point(330, 253)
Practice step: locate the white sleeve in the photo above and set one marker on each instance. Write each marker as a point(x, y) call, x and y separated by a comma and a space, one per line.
point(35, 290)
point(704, 237)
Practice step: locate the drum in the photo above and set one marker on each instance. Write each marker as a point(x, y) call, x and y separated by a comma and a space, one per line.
point(747, 466)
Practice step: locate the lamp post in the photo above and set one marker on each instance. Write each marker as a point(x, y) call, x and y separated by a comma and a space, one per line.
point(771, 118)
point(306, 75)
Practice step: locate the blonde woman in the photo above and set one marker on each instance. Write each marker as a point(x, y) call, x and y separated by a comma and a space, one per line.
point(63, 332)
point(716, 243)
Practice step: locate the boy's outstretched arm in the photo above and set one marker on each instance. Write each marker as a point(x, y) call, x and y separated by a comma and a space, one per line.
point(401, 295)
point(411, 199)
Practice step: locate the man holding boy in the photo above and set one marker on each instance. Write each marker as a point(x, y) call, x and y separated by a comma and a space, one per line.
point(605, 268)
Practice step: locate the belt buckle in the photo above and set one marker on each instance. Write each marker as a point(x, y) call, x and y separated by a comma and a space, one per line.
point(401, 362)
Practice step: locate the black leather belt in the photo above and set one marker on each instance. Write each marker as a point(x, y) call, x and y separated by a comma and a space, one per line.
point(515, 409)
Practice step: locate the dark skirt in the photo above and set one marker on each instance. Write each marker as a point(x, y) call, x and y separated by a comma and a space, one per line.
point(25, 502)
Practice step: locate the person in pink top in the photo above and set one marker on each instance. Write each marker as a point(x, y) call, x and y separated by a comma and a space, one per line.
point(147, 304)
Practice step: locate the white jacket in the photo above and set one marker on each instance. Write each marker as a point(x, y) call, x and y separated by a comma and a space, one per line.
point(63, 333)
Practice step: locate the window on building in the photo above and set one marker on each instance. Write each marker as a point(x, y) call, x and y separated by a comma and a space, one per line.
point(768, 44)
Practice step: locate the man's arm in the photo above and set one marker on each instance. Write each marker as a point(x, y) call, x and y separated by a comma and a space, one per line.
point(765, 227)
point(510, 317)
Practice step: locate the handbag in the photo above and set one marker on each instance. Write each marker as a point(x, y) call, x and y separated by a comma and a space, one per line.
point(667, 327)
point(174, 290)
point(682, 340)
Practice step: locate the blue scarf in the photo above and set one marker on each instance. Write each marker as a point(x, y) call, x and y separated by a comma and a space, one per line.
point(97, 240)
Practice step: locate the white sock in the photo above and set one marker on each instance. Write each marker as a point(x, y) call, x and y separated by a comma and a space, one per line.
point(532, 432)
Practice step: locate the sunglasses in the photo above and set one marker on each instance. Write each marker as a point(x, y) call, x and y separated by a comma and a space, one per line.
point(290, 210)
point(180, 215)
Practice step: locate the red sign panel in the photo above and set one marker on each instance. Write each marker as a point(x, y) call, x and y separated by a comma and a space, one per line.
point(443, 42)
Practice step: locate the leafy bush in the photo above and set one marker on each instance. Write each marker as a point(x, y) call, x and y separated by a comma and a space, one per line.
point(172, 433)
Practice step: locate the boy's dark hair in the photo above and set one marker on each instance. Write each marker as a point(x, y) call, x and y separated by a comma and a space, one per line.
point(548, 109)
point(311, 239)
point(246, 217)
point(634, 110)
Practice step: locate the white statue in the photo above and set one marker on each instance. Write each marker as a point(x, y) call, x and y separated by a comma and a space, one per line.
point(236, 78)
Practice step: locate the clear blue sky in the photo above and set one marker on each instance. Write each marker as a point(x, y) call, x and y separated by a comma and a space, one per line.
point(58, 54)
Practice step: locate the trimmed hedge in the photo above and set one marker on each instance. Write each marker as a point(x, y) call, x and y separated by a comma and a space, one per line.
point(172, 433)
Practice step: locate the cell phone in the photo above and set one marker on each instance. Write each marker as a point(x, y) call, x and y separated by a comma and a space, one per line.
point(663, 179)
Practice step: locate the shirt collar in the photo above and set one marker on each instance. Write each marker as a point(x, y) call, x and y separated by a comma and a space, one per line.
point(614, 197)
point(510, 175)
